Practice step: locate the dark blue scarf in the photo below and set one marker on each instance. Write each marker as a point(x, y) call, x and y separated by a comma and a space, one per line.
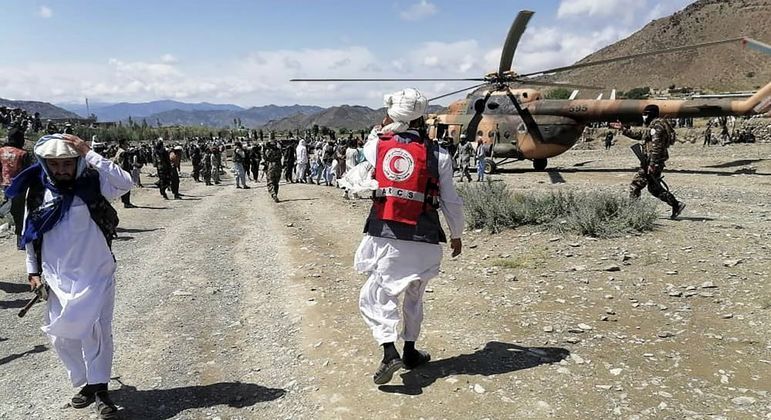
point(41, 220)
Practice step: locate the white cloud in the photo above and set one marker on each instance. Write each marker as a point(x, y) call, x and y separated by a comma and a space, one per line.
point(614, 8)
point(45, 12)
point(169, 59)
point(448, 59)
point(420, 10)
point(548, 47)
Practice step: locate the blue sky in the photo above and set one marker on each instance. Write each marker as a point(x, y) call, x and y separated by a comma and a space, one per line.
point(244, 52)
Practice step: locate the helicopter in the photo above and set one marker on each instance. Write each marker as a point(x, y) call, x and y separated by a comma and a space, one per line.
point(517, 123)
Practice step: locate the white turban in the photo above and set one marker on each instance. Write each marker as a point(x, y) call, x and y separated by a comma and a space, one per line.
point(54, 147)
point(405, 106)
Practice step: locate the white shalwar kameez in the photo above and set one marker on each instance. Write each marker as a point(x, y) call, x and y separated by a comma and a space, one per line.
point(302, 161)
point(79, 268)
point(398, 266)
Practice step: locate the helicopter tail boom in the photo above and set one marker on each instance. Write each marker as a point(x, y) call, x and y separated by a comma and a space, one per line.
point(630, 110)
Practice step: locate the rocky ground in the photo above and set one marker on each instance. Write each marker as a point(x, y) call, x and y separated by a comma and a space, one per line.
point(231, 306)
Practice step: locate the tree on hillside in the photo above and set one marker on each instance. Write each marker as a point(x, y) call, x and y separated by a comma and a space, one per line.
point(637, 93)
point(558, 93)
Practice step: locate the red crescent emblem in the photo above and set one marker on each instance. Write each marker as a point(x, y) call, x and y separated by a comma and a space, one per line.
point(394, 164)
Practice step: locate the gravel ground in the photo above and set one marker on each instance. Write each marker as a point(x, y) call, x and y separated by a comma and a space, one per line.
point(231, 306)
point(204, 325)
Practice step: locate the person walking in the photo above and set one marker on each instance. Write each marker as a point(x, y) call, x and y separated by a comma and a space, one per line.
point(67, 235)
point(401, 251)
point(465, 153)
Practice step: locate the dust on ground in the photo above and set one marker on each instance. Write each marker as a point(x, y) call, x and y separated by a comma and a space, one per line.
point(232, 306)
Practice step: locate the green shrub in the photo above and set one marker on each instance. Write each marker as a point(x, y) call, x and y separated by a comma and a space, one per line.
point(603, 214)
point(488, 206)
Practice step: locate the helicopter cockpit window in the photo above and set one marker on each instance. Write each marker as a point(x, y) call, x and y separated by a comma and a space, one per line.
point(480, 133)
point(490, 134)
point(493, 105)
point(522, 128)
point(506, 134)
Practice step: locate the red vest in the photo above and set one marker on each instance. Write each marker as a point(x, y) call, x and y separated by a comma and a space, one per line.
point(11, 159)
point(405, 183)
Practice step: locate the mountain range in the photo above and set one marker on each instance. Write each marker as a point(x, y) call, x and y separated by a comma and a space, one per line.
point(122, 111)
point(351, 117)
point(45, 109)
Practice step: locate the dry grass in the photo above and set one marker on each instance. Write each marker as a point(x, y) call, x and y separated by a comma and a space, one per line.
point(492, 206)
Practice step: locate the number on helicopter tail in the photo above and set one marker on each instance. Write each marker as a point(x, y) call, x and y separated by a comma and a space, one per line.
point(578, 108)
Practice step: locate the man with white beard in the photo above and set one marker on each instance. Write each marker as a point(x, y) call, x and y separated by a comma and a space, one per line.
point(67, 235)
point(401, 250)
point(302, 161)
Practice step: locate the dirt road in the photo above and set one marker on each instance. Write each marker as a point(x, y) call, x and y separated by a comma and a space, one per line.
point(232, 306)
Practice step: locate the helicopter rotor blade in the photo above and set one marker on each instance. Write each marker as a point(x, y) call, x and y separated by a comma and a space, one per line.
point(477, 79)
point(757, 45)
point(557, 84)
point(457, 91)
point(527, 118)
point(627, 57)
point(512, 40)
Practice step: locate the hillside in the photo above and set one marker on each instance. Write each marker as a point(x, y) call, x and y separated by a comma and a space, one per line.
point(722, 68)
point(123, 110)
point(252, 117)
point(352, 117)
point(45, 109)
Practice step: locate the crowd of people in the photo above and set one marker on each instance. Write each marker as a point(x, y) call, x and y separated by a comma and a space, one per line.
point(319, 161)
point(26, 122)
point(20, 118)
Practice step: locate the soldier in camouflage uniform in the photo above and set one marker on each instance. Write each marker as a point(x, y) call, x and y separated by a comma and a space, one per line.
point(272, 155)
point(657, 135)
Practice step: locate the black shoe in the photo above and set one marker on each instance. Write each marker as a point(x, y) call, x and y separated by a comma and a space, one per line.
point(83, 398)
point(238, 187)
point(275, 199)
point(385, 372)
point(677, 209)
point(413, 360)
point(165, 197)
point(105, 408)
point(177, 197)
point(129, 206)
point(246, 187)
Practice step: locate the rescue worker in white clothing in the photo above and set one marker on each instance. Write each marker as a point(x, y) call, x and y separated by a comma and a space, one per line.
point(67, 234)
point(401, 250)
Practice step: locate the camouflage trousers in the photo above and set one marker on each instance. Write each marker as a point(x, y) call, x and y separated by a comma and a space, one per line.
point(274, 176)
point(642, 179)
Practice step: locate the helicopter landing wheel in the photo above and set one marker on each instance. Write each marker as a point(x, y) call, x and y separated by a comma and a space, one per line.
point(540, 164)
point(490, 166)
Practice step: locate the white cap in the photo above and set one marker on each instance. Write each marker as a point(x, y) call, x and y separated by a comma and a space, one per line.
point(54, 147)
